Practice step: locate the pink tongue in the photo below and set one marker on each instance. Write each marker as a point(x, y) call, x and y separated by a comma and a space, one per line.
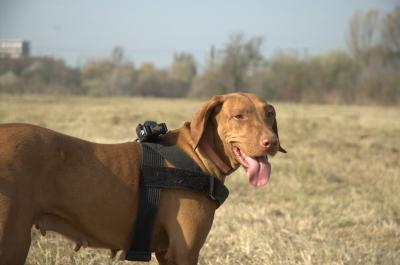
point(258, 170)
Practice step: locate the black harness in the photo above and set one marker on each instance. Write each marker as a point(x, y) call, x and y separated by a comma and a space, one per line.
point(154, 177)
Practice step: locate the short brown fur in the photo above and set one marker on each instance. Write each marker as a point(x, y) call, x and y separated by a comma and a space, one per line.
point(89, 192)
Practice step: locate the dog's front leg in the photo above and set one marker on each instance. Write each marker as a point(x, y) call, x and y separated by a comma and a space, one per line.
point(187, 218)
point(161, 258)
point(176, 257)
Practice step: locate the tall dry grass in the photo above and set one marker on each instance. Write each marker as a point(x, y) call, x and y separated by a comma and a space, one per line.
point(333, 199)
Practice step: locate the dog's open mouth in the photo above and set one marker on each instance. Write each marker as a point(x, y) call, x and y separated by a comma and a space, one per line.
point(258, 169)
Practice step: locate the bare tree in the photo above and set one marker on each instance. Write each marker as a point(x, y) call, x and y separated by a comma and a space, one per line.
point(183, 67)
point(240, 59)
point(362, 31)
point(117, 55)
point(390, 33)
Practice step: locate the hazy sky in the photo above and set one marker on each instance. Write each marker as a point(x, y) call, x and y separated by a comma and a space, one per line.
point(81, 30)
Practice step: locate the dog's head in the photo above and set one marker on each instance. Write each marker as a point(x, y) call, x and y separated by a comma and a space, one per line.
point(244, 126)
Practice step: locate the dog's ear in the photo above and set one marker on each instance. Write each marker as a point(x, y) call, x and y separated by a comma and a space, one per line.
point(275, 129)
point(201, 117)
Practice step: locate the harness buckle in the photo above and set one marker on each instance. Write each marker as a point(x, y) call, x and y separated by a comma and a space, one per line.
point(211, 188)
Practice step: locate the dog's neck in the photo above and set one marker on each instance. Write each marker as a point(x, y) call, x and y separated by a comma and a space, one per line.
point(205, 146)
point(183, 139)
point(215, 149)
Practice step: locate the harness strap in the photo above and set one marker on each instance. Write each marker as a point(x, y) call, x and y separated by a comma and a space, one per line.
point(175, 155)
point(186, 175)
point(154, 177)
point(178, 178)
point(149, 200)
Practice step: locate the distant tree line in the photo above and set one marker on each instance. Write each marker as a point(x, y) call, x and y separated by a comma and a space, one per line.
point(368, 72)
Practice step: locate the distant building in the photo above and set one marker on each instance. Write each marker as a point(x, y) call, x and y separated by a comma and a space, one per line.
point(14, 49)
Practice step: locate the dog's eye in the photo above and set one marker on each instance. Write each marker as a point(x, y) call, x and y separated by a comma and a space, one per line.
point(239, 117)
point(270, 114)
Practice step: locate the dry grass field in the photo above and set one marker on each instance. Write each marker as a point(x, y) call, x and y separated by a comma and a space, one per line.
point(333, 199)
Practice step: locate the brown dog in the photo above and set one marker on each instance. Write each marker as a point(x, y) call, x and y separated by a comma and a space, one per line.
point(89, 192)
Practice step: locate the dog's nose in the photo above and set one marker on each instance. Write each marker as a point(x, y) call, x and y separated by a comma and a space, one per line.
point(269, 142)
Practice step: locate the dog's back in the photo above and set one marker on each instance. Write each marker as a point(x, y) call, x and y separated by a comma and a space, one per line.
point(48, 179)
